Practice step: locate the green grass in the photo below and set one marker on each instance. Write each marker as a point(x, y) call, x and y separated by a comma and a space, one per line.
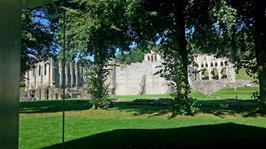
point(243, 93)
point(42, 130)
point(133, 97)
point(242, 75)
point(127, 125)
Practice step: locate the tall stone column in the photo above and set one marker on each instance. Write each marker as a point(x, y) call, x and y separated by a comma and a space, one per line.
point(227, 73)
point(60, 74)
point(210, 74)
point(219, 73)
point(81, 74)
point(199, 74)
point(232, 74)
point(66, 76)
point(34, 76)
point(52, 72)
point(71, 68)
point(76, 74)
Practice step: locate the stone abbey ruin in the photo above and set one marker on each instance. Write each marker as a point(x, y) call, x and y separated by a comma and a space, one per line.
point(208, 75)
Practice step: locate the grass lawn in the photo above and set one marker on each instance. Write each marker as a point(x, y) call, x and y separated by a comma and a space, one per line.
point(137, 126)
point(243, 93)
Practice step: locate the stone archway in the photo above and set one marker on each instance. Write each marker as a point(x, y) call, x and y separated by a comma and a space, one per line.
point(215, 64)
point(215, 74)
point(226, 63)
point(221, 63)
point(205, 74)
point(223, 73)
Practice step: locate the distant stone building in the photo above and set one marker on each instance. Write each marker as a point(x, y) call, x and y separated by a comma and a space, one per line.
point(207, 75)
point(45, 80)
point(210, 74)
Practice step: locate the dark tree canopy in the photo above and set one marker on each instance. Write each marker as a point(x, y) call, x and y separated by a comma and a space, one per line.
point(37, 38)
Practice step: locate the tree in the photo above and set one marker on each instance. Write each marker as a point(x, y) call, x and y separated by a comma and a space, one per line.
point(243, 36)
point(107, 25)
point(168, 21)
point(260, 46)
point(248, 41)
point(97, 32)
point(37, 38)
point(134, 56)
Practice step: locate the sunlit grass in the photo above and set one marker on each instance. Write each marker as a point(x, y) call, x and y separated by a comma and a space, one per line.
point(41, 122)
point(40, 130)
point(226, 93)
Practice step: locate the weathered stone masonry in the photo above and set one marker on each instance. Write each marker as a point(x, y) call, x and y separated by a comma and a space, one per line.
point(209, 74)
point(46, 79)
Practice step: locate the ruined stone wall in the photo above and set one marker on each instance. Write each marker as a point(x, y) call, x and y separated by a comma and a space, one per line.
point(139, 78)
point(45, 80)
point(210, 86)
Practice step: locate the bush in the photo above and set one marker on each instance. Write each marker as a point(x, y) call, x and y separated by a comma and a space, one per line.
point(185, 107)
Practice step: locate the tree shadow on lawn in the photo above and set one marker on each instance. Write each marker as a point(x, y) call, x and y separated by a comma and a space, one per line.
point(219, 107)
point(226, 135)
point(53, 106)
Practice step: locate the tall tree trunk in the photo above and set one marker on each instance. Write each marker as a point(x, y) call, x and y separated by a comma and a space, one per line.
point(180, 45)
point(260, 48)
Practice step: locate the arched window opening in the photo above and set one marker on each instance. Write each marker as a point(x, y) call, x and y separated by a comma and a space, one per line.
point(39, 70)
point(215, 74)
point(45, 69)
point(205, 74)
point(223, 72)
point(216, 64)
point(226, 63)
point(221, 64)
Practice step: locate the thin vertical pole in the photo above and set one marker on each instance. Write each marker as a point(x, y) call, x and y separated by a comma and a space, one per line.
point(64, 77)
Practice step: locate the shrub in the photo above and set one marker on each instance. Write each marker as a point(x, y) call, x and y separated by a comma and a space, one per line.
point(185, 106)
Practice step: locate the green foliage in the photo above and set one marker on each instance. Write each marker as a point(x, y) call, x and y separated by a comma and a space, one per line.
point(97, 88)
point(97, 30)
point(174, 69)
point(184, 107)
point(37, 38)
point(132, 57)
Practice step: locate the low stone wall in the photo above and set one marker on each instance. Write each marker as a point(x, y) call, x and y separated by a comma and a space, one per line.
point(45, 93)
point(210, 86)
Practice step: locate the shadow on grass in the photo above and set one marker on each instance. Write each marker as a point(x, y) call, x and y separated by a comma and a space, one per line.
point(53, 106)
point(217, 107)
point(147, 106)
point(227, 135)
